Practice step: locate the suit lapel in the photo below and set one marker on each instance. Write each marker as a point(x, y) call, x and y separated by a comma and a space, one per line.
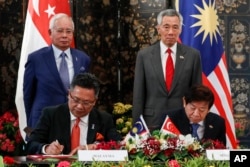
point(79, 62)
point(49, 58)
point(92, 127)
point(179, 65)
point(209, 127)
point(75, 60)
point(157, 65)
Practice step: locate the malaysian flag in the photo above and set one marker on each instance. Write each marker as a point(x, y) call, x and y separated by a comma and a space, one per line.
point(35, 37)
point(200, 30)
point(139, 130)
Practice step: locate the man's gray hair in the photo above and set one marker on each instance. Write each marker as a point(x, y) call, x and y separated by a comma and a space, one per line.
point(169, 12)
point(58, 16)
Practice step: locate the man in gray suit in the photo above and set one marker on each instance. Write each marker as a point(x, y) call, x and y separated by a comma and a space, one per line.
point(151, 98)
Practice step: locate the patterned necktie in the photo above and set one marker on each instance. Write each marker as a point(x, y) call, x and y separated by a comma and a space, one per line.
point(169, 70)
point(75, 135)
point(63, 71)
point(194, 130)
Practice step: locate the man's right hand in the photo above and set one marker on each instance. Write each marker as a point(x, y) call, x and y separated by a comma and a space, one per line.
point(54, 148)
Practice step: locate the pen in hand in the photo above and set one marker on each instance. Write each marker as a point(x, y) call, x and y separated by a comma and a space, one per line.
point(59, 146)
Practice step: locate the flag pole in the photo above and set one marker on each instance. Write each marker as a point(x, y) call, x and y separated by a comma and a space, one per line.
point(119, 41)
point(73, 10)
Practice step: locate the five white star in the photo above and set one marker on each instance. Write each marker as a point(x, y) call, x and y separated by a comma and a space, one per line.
point(50, 10)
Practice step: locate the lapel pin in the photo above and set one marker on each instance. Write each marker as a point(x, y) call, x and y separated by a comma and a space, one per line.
point(211, 126)
point(181, 57)
point(93, 126)
point(82, 69)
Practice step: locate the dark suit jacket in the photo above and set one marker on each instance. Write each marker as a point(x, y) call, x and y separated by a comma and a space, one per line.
point(150, 96)
point(215, 127)
point(42, 83)
point(54, 124)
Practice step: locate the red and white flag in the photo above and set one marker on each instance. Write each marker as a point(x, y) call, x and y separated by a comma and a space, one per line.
point(201, 31)
point(168, 127)
point(35, 37)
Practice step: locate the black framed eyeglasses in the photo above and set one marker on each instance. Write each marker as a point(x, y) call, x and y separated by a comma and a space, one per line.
point(84, 103)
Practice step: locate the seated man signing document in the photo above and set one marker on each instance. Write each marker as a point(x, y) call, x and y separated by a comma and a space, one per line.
point(65, 128)
point(195, 117)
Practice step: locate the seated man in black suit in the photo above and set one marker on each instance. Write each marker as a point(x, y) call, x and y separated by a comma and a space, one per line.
point(52, 134)
point(196, 111)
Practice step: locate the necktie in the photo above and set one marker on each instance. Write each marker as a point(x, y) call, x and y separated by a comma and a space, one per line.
point(75, 135)
point(194, 130)
point(63, 71)
point(169, 70)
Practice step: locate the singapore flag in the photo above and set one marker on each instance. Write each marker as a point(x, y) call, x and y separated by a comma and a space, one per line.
point(35, 37)
point(168, 127)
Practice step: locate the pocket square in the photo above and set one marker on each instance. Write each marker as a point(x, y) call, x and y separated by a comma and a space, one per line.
point(99, 137)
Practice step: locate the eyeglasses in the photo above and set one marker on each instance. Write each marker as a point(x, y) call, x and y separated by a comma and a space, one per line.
point(61, 31)
point(77, 101)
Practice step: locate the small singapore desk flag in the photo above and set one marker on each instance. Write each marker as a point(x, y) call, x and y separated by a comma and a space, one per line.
point(168, 127)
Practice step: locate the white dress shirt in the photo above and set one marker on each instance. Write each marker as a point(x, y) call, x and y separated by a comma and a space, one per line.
point(164, 55)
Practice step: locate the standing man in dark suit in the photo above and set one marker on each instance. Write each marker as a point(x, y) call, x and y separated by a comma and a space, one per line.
point(52, 134)
point(197, 102)
point(151, 97)
point(43, 85)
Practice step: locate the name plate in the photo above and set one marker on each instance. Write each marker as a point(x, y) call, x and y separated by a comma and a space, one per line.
point(218, 154)
point(102, 155)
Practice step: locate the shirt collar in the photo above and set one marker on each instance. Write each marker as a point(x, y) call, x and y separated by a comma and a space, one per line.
point(201, 123)
point(57, 52)
point(164, 48)
point(84, 119)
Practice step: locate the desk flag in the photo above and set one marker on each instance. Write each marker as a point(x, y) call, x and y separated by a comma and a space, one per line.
point(139, 130)
point(168, 127)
